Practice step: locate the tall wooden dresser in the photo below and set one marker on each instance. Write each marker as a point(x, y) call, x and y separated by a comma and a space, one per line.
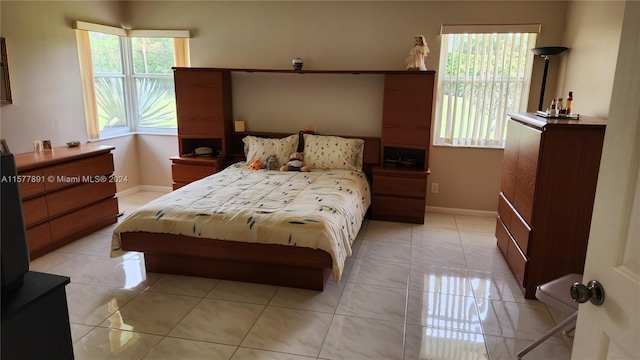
point(66, 193)
point(549, 174)
point(400, 192)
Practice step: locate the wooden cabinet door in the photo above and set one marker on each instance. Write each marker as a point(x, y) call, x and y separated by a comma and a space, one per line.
point(510, 160)
point(203, 102)
point(527, 172)
point(406, 110)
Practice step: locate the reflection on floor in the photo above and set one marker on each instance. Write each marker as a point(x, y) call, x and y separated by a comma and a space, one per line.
point(435, 291)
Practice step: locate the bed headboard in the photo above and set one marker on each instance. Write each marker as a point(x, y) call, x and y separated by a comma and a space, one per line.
point(371, 155)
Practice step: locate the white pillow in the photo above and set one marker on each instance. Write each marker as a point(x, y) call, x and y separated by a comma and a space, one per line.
point(257, 148)
point(333, 152)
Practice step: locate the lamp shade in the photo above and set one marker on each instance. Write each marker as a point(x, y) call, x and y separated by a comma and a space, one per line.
point(548, 50)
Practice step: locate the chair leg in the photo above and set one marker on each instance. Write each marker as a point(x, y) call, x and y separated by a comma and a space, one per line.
point(547, 335)
point(567, 332)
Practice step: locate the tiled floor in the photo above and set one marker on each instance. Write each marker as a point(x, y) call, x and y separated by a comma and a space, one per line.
point(434, 291)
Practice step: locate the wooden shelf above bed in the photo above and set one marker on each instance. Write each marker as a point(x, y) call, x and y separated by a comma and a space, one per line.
point(284, 71)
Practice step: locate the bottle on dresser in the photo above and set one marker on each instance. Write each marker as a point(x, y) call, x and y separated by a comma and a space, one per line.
point(560, 107)
point(552, 109)
point(569, 103)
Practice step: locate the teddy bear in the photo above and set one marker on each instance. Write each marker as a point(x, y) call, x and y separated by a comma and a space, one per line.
point(295, 163)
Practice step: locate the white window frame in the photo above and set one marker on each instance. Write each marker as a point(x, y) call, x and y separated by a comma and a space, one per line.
point(129, 76)
point(473, 129)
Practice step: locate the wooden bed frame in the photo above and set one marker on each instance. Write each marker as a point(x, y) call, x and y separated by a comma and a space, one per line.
point(230, 260)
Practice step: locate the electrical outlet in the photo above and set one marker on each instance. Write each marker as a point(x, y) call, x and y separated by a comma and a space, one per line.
point(434, 188)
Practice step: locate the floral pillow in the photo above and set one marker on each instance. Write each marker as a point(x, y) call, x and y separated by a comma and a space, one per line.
point(333, 152)
point(257, 148)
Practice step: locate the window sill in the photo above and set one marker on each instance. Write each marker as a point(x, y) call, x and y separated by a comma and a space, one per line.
point(468, 147)
point(130, 134)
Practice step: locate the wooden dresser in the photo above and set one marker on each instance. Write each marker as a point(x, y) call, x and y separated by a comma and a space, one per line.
point(549, 174)
point(66, 193)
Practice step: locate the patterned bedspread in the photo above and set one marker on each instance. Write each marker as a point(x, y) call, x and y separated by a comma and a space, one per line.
point(317, 209)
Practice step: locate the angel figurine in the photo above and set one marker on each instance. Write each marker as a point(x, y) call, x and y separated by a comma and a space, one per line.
point(415, 60)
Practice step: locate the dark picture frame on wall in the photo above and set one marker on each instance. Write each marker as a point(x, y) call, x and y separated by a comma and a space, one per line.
point(5, 87)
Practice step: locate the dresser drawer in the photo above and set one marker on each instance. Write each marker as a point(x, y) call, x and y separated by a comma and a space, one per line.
point(72, 173)
point(85, 220)
point(35, 211)
point(400, 186)
point(32, 184)
point(517, 261)
point(502, 235)
point(398, 209)
point(75, 197)
point(517, 227)
point(38, 237)
point(183, 173)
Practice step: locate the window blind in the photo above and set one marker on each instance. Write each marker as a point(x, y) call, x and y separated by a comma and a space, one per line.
point(483, 75)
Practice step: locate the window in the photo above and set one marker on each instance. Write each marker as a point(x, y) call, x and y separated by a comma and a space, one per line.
point(128, 80)
point(485, 72)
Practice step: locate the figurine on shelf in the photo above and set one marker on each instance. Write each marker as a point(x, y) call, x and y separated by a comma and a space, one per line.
point(415, 60)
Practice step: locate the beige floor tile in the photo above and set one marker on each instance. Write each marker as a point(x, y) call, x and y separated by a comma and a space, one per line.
point(183, 285)
point(443, 311)
point(443, 344)
point(358, 339)
point(49, 261)
point(151, 313)
point(322, 301)
point(91, 305)
point(438, 279)
point(438, 255)
point(388, 231)
point(526, 321)
point(507, 348)
point(85, 268)
point(241, 291)
point(102, 343)
point(385, 250)
point(290, 331)
point(176, 349)
point(255, 354)
point(373, 302)
point(78, 331)
point(129, 274)
point(218, 321)
point(382, 273)
point(439, 221)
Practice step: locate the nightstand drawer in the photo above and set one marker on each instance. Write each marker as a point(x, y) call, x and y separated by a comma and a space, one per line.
point(187, 173)
point(398, 209)
point(400, 186)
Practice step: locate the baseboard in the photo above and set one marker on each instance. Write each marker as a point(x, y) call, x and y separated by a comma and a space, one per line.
point(162, 189)
point(455, 211)
point(129, 191)
point(135, 189)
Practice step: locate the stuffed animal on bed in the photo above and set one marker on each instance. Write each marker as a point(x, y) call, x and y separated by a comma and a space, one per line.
point(295, 163)
point(256, 165)
point(271, 163)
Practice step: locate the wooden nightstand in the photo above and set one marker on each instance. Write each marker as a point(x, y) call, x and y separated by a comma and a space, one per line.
point(399, 194)
point(187, 169)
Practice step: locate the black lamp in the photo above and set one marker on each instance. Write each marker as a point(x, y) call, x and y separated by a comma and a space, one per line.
point(546, 53)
